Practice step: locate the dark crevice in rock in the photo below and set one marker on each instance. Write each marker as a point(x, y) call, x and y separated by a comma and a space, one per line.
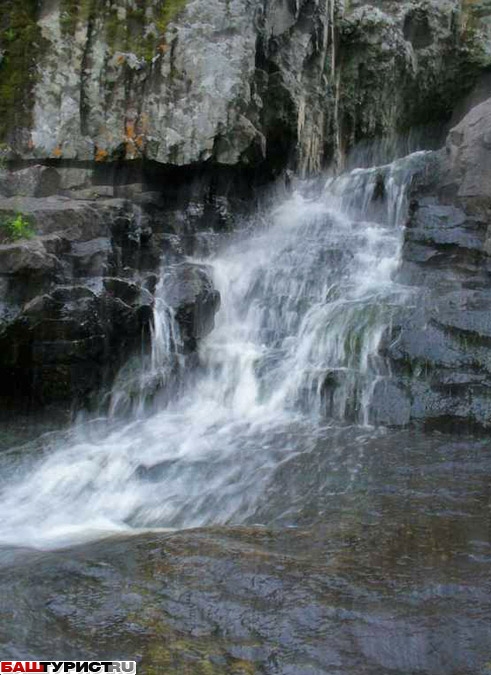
point(85, 76)
point(417, 29)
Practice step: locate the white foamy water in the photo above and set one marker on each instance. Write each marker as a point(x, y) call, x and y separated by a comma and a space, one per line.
point(305, 301)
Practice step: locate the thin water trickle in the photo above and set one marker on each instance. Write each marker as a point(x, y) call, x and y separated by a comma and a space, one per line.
point(305, 302)
point(146, 374)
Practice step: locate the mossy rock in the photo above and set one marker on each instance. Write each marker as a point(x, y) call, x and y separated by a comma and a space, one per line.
point(139, 28)
point(21, 44)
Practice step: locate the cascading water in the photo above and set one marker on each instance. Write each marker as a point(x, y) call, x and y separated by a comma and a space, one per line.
point(145, 374)
point(305, 301)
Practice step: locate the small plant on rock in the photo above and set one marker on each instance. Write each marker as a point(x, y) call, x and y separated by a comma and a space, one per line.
point(17, 227)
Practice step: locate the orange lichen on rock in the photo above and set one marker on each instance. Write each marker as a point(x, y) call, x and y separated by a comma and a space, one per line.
point(101, 155)
point(130, 130)
point(134, 141)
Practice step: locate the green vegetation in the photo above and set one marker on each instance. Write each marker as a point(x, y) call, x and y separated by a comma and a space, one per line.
point(478, 8)
point(17, 227)
point(20, 46)
point(131, 35)
point(168, 12)
point(4, 153)
point(72, 12)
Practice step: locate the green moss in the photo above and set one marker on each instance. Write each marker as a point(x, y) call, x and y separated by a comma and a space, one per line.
point(20, 44)
point(73, 12)
point(131, 34)
point(168, 12)
point(171, 653)
point(4, 155)
point(477, 8)
point(16, 227)
point(128, 35)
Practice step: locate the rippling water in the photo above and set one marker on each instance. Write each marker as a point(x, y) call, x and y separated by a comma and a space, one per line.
point(376, 561)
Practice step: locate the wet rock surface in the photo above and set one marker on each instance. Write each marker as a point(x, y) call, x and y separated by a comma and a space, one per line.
point(190, 292)
point(439, 347)
point(363, 552)
point(77, 298)
point(468, 161)
point(384, 568)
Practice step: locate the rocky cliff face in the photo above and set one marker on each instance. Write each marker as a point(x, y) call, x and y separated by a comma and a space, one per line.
point(77, 299)
point(440, 349)
point(276, 83)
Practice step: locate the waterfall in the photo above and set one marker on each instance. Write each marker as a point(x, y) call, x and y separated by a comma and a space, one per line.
point(146, 374)
point(306, 298)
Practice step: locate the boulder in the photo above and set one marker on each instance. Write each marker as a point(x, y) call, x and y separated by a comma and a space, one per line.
point(189, 291)
point(26, 259)
point(77, 297)
point(62, 345)
point(33, 181)
point(468, 161)
point(439, 346)
point(72, 309)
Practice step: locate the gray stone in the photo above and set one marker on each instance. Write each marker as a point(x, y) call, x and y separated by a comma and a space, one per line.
point(74, 178)
point(245, 81)
point(390, 404)
point(440, 350)
point(90, 258)
point(190, 292)
point(130, 190)
point(27, 258)
point(438, 225)
point(469, 157)
point(34, 181)
point(93, 192)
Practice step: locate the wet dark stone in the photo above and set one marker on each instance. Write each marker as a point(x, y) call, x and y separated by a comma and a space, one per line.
point(390, 404)
point(438, 226)
point(439, 348)
point(370, 579)
point(190, 292)
point(91, 258)
point(60, 344)
point(417, 29)
point(82, 292)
